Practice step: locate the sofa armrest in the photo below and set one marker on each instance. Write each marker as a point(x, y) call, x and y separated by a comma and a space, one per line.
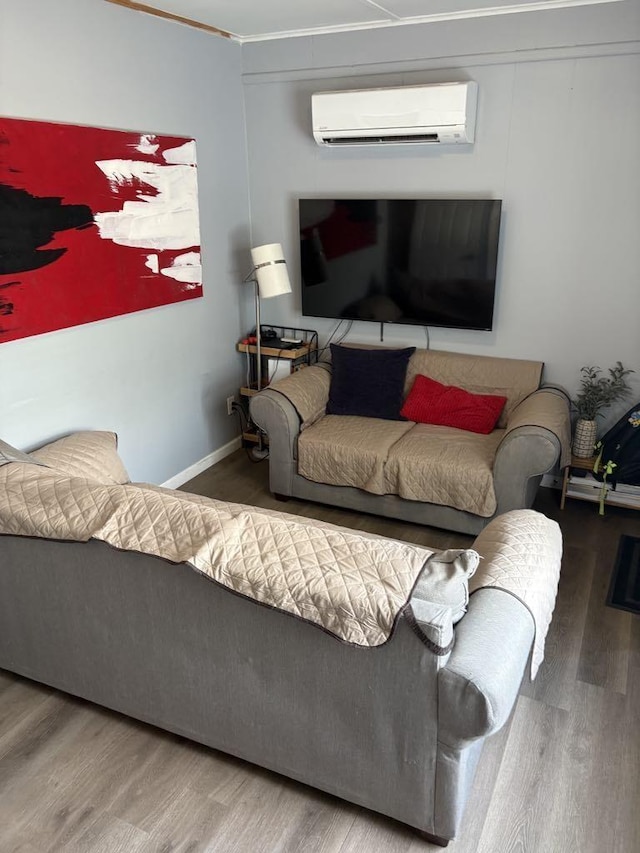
point(284, 409)
point(275, 415)
point(307, 390)
point(520, 563)
point(547, 408)
point(537, 437)
point(478, 687)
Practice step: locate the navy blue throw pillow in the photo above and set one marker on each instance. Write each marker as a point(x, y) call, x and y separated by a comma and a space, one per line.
point(368, 382)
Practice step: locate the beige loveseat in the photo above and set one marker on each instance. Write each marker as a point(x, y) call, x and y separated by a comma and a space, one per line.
point(435, 475)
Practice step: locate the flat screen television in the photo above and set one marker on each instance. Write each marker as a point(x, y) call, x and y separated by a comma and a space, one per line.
point(427, 262)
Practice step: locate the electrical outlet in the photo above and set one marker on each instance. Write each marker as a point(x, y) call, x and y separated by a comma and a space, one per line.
point(230, 401)
point(551, 481)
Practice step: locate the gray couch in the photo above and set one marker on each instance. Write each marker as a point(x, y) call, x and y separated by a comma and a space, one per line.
point(397, 728)
point(348, 458)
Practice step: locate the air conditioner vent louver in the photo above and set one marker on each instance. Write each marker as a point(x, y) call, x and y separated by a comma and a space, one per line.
point(381, 140)
point(443, 113)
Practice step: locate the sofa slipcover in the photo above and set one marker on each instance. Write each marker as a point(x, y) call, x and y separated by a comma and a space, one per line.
point(159, 611)
point(433, 475)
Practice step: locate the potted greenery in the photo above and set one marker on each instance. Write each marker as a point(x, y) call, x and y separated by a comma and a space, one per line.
point(596, 392)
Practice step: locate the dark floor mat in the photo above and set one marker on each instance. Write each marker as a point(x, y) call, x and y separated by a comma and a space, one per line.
point(624, 591)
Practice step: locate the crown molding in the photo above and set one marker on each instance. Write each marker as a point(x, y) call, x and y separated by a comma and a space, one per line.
point(394, 21)
point(169, 16)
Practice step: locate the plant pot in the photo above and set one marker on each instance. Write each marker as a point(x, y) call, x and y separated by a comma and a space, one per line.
point(584, 439)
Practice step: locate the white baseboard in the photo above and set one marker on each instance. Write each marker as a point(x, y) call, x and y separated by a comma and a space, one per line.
point(202, 465)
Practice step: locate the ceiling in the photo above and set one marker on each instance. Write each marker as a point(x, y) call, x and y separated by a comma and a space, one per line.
point(257, 20)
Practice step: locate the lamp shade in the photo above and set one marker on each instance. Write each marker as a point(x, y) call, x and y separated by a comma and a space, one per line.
point(271, 270)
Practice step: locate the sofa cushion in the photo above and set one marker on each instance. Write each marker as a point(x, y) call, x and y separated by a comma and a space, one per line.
point(431, 402)
point(90, 454)
point(349, 451)
point(368, 382)
point(512, 378)
point(440, 598)
point(439, 465)
point(445, 579)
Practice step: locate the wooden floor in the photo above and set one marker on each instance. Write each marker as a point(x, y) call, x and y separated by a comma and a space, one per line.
point(562, 777)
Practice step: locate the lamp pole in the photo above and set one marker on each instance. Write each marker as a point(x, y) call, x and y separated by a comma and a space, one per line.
point(258, 349)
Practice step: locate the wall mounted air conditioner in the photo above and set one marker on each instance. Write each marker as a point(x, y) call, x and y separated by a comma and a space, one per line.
point(402, 115)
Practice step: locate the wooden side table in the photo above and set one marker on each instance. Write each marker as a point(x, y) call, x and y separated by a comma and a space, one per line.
point(305, 354)
point(298, 357)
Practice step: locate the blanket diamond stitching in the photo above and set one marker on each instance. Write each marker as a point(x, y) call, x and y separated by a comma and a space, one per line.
point(350, 583)
point(522, 552)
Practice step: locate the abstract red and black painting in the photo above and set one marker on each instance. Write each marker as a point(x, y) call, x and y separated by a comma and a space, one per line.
point(93, 223)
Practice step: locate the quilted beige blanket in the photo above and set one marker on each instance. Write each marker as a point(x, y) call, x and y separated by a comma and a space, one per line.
point(353, 585)
point(522, 553)
point(421, 462)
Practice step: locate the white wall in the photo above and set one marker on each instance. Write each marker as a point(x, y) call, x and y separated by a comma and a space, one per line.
point(558, 135)
point(558, 132)
point(158, 377)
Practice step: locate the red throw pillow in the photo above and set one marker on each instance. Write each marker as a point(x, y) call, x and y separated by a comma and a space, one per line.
point(431, 402)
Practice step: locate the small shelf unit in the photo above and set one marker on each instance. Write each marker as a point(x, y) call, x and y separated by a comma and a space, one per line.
point(585, 487)
point(298, 357)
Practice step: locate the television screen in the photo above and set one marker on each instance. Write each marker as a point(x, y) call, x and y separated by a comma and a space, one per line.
point(430, 262)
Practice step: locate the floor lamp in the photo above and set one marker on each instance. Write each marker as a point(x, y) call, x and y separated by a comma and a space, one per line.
point(271, 279)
